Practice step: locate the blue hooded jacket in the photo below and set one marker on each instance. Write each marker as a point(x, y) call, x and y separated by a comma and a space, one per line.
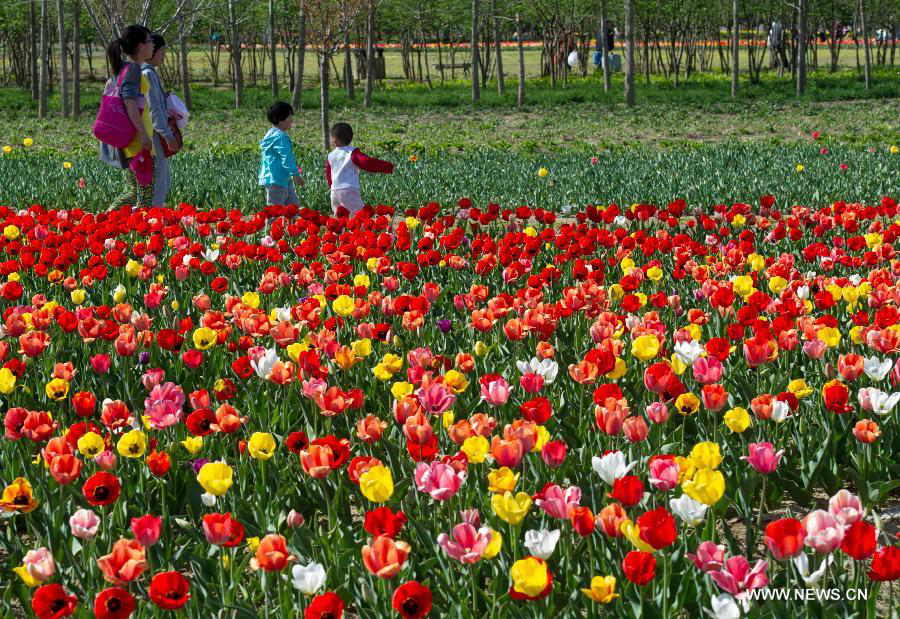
point(277, 165)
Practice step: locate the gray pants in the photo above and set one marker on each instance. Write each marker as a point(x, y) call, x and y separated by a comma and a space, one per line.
point(162, 176)
point(276, 194)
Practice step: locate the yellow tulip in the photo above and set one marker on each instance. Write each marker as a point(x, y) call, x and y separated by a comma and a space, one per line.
point(707, 486)
point(737, 419)
point(377, 484)
point(192, 444)
point(502, 480)
point(261, 445)
point(216, 477)
point(645, 347)
point(57, 389)
point(494, 546)
point(603, 589)
point(529, 576)
point(476, 448)
point(204, 338)
point(250, 299)
point(706, 455)
point(511, 508)
point(401, 389)
point(7, 381)
point(132, 444)
point(343, 305)
point(90, 444)
point(632, 533)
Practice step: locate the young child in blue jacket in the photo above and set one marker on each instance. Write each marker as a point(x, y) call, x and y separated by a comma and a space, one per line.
point(278, 167)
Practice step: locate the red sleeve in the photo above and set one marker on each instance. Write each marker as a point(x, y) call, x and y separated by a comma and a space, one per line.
point(370, 164)
point(328, 172)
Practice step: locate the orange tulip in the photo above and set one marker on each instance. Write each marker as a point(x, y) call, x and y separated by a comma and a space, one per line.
point(125, 563)
point(317, 460)
point(272, 554)
point(384, 556)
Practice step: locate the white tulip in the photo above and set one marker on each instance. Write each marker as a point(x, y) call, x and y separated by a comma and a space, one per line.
point(876, 369)
point(691, 512)
point(611, 467)
point(263, 367)
point(308, 579)
point(541, 543)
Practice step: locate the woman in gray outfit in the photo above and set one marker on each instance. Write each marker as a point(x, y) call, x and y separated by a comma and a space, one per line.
point(159, 116)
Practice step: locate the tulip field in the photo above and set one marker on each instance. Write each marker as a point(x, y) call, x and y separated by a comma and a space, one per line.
point(677, 407)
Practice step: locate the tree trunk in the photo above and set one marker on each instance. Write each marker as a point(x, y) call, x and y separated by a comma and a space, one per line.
point(867, 64)
point(501, 81)
point(370, 54)
point(76, 59)
point(183, 52)
point(476, 77)
point(348, 66)
point(323, 99)
point(602, 42)
point(63, 60)
point(735, 42)
point(629, 53)
point(297, 95)
point(238, 75)
point(520, 90)
point(43, 82)
point(801, 47)
point(274, 51)
point(33, 61)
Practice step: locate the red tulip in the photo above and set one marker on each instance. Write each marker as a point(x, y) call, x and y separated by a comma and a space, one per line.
point(784, 538)
point(886, 564)
point(114, 603)
point(52, 602)
point(657, 528)
point(325, 606)
point(639, 567)
point(629, 490)
point(169, 590)
point(859, 540)
point(412, 600)
point(146, 529)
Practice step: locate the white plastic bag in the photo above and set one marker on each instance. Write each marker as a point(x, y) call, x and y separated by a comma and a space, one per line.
point(178, 110)
point(573, 59)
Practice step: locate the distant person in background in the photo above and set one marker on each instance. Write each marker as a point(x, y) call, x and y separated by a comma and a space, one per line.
point(159, 116)
point(610, 37)
point(777, 57)
point(135, 44)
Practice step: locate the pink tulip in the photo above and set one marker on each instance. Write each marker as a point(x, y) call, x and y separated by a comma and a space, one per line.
point(467, 544)
point(152, 378)
point(146, 529)
point(435, 398)
point(710, 557)
point(295, 519)
point(658, 412)
point(439, 480)
point(106, 460)
point(558, 503)
point(736, 577)
point(663, 473)
point(101, 363)
point(84, 524)
point(814, 349)
point(531, 382)
point(39, 564)
point(763, 457)
point(164, 405)
point(495, 392)
point(824, 533)
point(707, 370)
point(846, 507)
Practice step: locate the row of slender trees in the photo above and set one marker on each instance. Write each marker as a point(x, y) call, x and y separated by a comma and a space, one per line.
point(44, 42)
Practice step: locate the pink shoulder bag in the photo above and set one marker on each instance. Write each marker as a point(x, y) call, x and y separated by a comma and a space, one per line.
point(112, 125)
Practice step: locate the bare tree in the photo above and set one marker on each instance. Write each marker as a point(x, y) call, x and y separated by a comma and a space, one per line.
point(76, 58)
point(328, 20)
point(520, 90)
point(44, 80)
point(33, 64)
point(476, 86)
point(867, 63)
point(602, 42)
point(274, 75)
point(183, 60)
point(802, 38)
point(501, 82)
point(297, 95)
point(370, 52)
point(629, 53)
point(735, 41)
point(63, 60)
point(237, 74)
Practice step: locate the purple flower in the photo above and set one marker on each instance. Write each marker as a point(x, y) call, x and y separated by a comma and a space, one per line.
point(144, 357)
point(198, 464)
point(444, 325)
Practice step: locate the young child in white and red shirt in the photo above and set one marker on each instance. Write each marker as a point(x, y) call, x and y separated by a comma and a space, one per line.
point(342, 170)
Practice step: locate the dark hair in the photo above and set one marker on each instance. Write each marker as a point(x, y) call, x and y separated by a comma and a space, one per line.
point(279, 111)
point(343, 132)
point(158, 41)
point(131, 39)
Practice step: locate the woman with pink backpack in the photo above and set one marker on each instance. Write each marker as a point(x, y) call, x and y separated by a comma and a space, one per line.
point(123, 124)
